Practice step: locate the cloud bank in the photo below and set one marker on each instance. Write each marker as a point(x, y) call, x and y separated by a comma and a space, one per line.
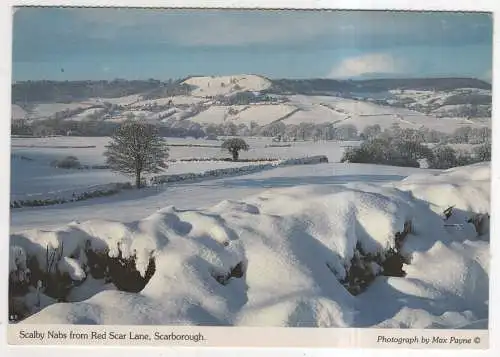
point(368, 64)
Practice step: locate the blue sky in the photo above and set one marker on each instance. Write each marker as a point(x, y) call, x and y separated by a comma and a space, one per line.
point(162, 44)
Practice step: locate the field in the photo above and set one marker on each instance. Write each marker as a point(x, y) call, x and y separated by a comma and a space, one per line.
point(34, 178)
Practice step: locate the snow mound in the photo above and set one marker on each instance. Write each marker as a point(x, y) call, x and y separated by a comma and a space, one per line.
point(278, 259)
point(222, 85)
point(447, 189)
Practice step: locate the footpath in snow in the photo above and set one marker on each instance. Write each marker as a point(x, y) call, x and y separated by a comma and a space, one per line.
point(283, 257)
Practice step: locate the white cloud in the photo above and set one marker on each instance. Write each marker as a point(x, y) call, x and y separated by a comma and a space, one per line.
point(488, 75)
point(367, 64)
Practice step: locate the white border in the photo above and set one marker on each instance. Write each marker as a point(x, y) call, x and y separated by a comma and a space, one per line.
point(440, 5)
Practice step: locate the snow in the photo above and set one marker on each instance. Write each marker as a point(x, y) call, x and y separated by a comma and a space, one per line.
point(17, 112)
point(263, 114)
point(35, 180)
point(437, 98)
point(215, 114)
point(17, 260)
point(127, 100)
point(84, 115)
point(136, 114)
point(299, 109)
point(45, 110)
point(134, 205)
point(222, 85)
point(71, 267)
point(444, 190)
point(316, 114)
point(176, 100)
point(321, 109)
point(89, 150)
point(283, 226)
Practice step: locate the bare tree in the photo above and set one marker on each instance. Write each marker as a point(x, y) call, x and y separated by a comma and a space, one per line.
point(136, 148)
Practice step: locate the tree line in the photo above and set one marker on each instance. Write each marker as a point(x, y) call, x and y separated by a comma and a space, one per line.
point(408, 147)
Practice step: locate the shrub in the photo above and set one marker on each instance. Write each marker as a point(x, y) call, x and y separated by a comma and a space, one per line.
point(386, 152)
point(483, 152)
point(444, 158)
point(69, 162)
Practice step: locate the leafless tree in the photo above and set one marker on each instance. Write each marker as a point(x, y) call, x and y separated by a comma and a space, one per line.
point(136, 148)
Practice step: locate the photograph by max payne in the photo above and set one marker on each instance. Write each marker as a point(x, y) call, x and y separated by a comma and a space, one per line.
point(249, 177)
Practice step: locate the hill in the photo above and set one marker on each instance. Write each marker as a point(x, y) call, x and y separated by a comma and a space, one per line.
point(224, 85)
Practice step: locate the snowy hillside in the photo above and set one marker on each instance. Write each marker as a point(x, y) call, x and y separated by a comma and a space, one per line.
point(17, 112)
point(189, 107)
point(341, 111)
point(175, 100)
point(45, 110)
point(222, 85)
point(460, 102)
point(288, 256)
point(262, 114)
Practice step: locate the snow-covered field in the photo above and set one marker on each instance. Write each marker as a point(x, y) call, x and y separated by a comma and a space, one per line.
point(45, 110)
point(272, 249)
point(135, 205)
point(37, 181)
point(36, 178)
point(262, 114)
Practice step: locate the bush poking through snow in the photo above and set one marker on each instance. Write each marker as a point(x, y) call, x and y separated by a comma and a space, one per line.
point(19, 276)
point(365, 267)
point(33, 285)
point(448, 212)
point(237, 272)
point(119, 270)
point(124, 274)
point(55, 280)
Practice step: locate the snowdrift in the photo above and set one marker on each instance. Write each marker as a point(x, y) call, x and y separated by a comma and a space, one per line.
point(281, 258)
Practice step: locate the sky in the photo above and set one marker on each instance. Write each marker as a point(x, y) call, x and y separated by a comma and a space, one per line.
point(79, 43)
